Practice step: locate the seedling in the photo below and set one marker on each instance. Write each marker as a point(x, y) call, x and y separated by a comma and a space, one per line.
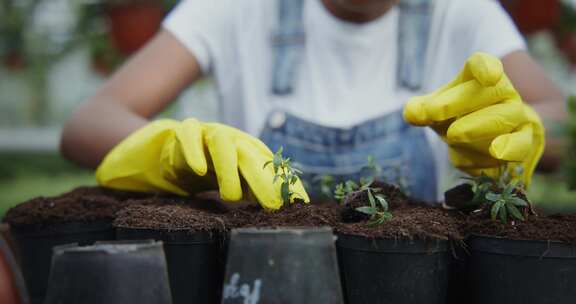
point(377, 206)
point(504, 198)
point(346, 189)
point(378, 209)
point(350, 187)
point(284, 171)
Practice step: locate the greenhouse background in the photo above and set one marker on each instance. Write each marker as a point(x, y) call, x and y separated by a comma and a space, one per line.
point(55, 53)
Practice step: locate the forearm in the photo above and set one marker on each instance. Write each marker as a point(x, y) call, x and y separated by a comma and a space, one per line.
point(545, 97)
point(554, 116)
point(95, 128)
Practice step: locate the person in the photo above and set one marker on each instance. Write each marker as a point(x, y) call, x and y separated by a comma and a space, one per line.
point(332, 82)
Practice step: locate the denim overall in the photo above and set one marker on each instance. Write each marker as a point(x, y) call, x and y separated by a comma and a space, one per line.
point(401, 150)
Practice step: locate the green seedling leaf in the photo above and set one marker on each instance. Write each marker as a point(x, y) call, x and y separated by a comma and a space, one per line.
point(293, 179)
point(503, 214)
point(285, 192)
point(284, 172)
point(277, 161)
point(382, 201)
point(509, 189)
point(518, 201)
point(387, 215)
point(365, 182)
point(514, 212)
point(351, 186)
point(493, 197)
point(266, 164)
point(367, 210)
point(371, 199)
point(495, 209)
point(380, 218)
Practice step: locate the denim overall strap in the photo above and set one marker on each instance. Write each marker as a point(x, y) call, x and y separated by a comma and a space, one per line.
point(289, 39)
point(401, 150)
point(288, 42)
point(414, 27)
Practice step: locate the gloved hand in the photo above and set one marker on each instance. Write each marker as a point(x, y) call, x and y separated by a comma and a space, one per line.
point(188, 157)
point(483, 119)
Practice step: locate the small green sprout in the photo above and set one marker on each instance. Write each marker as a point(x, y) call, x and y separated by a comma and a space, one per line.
point(375, 171)
point(349, 187)
point(506, 204)
point(284, 171)
point(344, 190)
point(501, 197)
point(377, 207)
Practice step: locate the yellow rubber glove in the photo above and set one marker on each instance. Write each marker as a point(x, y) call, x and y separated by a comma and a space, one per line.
point(483, 119)
point(188, 157)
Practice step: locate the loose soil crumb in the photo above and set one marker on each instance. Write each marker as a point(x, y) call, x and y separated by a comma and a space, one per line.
point(83, 204)
point(168, 217)
point(560, 228)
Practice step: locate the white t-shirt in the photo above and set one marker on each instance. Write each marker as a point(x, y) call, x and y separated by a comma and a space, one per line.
point(348, 71)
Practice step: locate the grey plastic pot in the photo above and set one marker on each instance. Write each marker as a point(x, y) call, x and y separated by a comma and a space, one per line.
point(112, 273)
point(282, 266)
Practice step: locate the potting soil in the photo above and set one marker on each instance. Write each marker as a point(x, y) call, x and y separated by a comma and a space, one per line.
point(411, 219)
point(83, 204)
point(560, 228)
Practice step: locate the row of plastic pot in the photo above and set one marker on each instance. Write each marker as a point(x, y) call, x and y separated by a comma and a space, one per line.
point(292, 266)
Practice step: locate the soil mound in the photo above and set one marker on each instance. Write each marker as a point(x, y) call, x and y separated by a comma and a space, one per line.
point(83, 204)
point(169, 217)
point(560, 228)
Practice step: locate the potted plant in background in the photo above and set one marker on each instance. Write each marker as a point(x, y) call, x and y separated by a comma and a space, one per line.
point(115, 29)
point(13, 18)
point(533, 15)
point(133, 22)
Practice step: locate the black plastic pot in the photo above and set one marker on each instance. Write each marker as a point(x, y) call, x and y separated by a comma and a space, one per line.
point(195, 262)
point(34, 246)
point(393, 271)
point(288, 266)
point(111, 273)
point(520, 272)
point(457, 286)
point(12, 286)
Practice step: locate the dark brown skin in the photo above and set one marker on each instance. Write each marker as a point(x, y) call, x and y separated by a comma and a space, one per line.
point(359, 11)
point(153, 78)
